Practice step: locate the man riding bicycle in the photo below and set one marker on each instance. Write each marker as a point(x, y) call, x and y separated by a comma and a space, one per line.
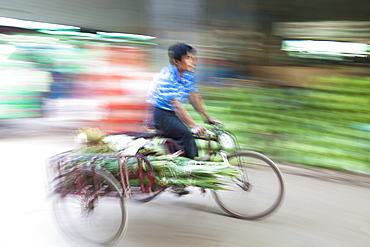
point(171, 88)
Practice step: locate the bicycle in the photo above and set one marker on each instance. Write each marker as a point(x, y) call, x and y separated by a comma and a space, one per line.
point(255, 194)
point(258, 172)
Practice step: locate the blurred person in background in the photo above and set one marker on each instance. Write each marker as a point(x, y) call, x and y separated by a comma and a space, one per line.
point(173, 86)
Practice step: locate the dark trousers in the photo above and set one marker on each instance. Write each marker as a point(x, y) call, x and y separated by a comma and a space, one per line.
point(174, 128)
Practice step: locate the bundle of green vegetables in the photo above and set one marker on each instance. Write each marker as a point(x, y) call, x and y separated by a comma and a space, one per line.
point(169, 169)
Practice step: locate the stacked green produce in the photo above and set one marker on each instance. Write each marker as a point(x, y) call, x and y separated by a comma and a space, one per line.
point(325, 124)
point(169, 169)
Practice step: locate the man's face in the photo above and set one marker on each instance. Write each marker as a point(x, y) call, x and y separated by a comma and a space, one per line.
point(188, 62)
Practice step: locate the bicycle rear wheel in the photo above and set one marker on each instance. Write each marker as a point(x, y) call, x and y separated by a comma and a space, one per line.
point(255, 194)
point(93, 211)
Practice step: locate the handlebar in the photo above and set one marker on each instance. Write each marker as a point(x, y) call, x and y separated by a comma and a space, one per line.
point(210, 133)
point(216, 124)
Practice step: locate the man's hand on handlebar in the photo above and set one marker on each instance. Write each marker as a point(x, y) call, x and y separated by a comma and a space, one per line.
point(198, 130)
point(213, 121)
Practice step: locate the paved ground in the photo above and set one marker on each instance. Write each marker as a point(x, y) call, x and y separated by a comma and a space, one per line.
point(321, 208)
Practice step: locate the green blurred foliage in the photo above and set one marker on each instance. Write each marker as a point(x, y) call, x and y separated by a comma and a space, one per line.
point(20, 104)
point(325, 124)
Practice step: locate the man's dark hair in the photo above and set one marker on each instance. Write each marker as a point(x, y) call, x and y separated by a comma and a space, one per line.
point(178, 50)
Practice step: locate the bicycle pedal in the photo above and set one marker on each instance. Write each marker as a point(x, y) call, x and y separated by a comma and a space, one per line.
point(180, 191)
point(183, 193)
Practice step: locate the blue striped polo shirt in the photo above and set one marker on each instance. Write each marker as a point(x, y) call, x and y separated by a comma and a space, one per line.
point(168, 85)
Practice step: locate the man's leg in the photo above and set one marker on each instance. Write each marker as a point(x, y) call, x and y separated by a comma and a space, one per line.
point(174, 128)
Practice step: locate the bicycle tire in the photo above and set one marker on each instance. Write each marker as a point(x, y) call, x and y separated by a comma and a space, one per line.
point(257, 193)
point(76, 217)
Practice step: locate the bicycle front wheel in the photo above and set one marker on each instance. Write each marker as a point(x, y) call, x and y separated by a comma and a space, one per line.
point(91, 208)
point(257, 192)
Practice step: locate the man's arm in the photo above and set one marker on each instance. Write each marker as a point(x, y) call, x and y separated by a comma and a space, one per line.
point(197, 102)
point(185, 117)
